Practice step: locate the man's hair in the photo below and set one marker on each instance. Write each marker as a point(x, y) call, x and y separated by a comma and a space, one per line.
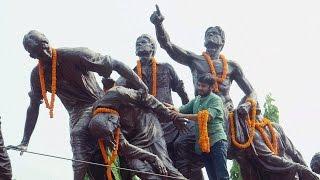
point(207, 79)
point(107, 83)
point(33, 37)
point(151, 40)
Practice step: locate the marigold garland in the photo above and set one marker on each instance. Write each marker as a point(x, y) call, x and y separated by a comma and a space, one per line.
point(53, 82)
point(218, 80)
point(203, 118)
point(154, 74)
point(109, 161)
point(105, 110)
point(253, 125)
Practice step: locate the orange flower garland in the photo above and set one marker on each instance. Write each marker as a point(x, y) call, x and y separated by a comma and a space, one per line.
point(53, 82)
point(218, 80)
point(203, 118)
point(154, 74)
point(114, 154)
point(105, 110)
point(251, 121)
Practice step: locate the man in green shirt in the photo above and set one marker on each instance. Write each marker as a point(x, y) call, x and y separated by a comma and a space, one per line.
point(216, 160)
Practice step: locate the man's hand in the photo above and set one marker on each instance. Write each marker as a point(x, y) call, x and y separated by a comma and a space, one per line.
point(171, 107)
point(174, 115)
point(181, 124)
point(21, 147)
point(158, 164)
point(156, 18)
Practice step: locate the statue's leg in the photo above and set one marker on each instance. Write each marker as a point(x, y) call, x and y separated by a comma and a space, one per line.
point(159, 148)
point(170, 135)
point(143, 166)
point(82, 143)
point(5, 165)
point(187, 161)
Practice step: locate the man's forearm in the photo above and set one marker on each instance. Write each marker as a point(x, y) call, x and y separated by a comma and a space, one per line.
point(31, 120)
point(192, 117)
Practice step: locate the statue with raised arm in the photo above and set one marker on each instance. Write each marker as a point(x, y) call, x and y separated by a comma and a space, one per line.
point(161, 79)
point(141, 139)
point(68, 73)
point(211, 61)
point(224, 71)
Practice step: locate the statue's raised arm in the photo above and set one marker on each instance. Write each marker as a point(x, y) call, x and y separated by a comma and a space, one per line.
point(176, 53)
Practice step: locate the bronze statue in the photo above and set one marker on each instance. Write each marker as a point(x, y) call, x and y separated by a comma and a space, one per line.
point(141, 142)
point(259, 161)
point(166, 79)
point(5, 164)
point(224, 71)
point(76, 87)
point(315, 163)
point(199, 64)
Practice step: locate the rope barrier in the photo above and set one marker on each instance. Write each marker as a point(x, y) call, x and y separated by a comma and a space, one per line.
point(15, 148)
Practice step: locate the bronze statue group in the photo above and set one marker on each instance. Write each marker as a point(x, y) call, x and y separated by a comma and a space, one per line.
point(134, 119)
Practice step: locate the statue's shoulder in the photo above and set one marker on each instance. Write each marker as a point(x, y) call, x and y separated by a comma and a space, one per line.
point(165, 65)
point(197, 56)
point(75, 51)
point(35, 71)
point(234, 66)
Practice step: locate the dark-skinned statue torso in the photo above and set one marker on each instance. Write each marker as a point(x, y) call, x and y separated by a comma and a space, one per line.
point(167, 80)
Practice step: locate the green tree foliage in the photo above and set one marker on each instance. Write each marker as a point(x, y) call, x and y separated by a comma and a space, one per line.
point(271, 112)
point(235, 171)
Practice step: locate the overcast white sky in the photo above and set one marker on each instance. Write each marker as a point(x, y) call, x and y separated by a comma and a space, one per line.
point(275, 42)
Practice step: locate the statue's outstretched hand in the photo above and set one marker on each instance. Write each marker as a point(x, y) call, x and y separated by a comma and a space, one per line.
point(156, 18)
point(158, 164)
point(21, 147)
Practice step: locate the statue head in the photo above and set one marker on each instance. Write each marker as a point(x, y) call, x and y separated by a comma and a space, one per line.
point(315, 163)
point(37, 45)
point(103, 125)
point(145, 46)
point(214, 38)
point(205, 84)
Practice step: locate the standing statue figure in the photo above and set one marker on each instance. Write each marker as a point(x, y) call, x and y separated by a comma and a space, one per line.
point(160, 78)
point(271, 155)
point(224, 71)
point(68, 72)
point(141, 140)
point(211, 61)
point(5, 164)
